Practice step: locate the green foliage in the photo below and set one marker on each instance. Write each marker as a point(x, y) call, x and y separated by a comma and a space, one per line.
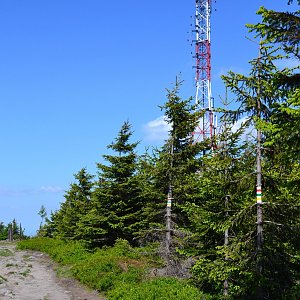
point(5, 252)
point(177, 162)
point(42, 212)
point(3, 231)
point(107, 268)
point(272, 273)
point(61, 251)
point(117, 195)
point(214, 212)
point(16, 229)
point(120, 271)
point(156, 289)
point(2, 279)
point(64, 222)
point(279, 27)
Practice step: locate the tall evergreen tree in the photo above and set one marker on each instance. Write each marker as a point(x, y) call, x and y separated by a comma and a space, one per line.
point(65, 222)
point(3, 231)
point(281, 28)
point(178, 158)
point(118, 194)
point(152, 213)
point(219, 214)
point(258, 96)
point(177, 161)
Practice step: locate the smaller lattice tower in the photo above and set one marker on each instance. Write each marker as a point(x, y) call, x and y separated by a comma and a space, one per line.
point(204, 101)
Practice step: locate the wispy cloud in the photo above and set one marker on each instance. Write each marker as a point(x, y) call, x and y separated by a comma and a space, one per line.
point(14, 192)
point(157, 130)
point(225, 70)
point(249, 131)
point(237, 125)
point(51, 189)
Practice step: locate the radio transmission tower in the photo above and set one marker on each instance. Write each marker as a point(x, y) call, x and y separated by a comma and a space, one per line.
point(208, 122)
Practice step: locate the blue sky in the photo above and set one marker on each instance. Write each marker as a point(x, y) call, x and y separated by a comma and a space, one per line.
point(72, 71)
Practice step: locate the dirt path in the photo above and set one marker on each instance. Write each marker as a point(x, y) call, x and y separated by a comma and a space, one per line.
point(29, 275)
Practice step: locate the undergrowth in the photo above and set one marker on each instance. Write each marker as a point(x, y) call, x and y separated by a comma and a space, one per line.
point(156, 289)
point(120, 271)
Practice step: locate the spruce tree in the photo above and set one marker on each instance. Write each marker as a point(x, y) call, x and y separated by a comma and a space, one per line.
point(269, 270)
point(153, 211)
point(258, 97)
point(177, 161)
point(3, 231)
point(117, 196)
point(65, 222)
point(222, 201)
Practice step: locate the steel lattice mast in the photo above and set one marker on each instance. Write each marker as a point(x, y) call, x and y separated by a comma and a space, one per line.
point(204, 101)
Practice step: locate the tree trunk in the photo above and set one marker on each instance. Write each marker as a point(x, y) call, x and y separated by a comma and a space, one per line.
point(168, 221)
point(10, 233)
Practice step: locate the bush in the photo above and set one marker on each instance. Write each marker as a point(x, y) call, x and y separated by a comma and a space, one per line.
point(106, 268)
point(61, 251)
point(156, 289)
point(119, 271)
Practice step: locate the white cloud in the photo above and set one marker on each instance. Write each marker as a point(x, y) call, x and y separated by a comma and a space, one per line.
point(225, 70)
point(238, 124)
point(15, 192)
point(157, 130)
point(249, 131)
point(51, 189)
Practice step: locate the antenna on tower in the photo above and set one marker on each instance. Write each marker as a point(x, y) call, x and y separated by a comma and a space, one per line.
point(204, 101)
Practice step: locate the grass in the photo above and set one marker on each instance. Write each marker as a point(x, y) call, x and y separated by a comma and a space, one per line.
point(120, 271)
point(64, 271)
point(25, 273)
point(10, 265)
point(26, 257)
point(5, 252)
point(2, 279)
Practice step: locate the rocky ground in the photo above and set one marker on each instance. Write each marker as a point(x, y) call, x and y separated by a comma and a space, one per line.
point(29, 275)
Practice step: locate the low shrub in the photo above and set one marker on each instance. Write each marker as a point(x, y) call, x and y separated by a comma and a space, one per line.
point(117, 271)
point(156, 289)
point(61, 251)
point(106, 268)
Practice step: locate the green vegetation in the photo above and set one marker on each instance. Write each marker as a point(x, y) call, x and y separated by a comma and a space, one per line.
point(17, 232)
point(120, 271)
point(2, 279)
point(158, 289)
point(5, 252)
point(10, 265)
point(25, 273)
point(241, 248)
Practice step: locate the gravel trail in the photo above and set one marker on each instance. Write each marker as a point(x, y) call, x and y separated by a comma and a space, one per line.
point(30, 275)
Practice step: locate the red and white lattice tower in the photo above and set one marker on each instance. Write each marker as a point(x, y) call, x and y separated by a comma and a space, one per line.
point(208, 122)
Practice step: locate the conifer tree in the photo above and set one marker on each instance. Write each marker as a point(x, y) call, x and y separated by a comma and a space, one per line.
point(222, 198)
point(117, 196)
point(176, 163)
point(3, 231)
point(65, 222)
point(265, 98)
point(152, 213)
point(258, 96)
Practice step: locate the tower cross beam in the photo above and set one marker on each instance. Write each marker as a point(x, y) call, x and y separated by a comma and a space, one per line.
point(203, 98)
